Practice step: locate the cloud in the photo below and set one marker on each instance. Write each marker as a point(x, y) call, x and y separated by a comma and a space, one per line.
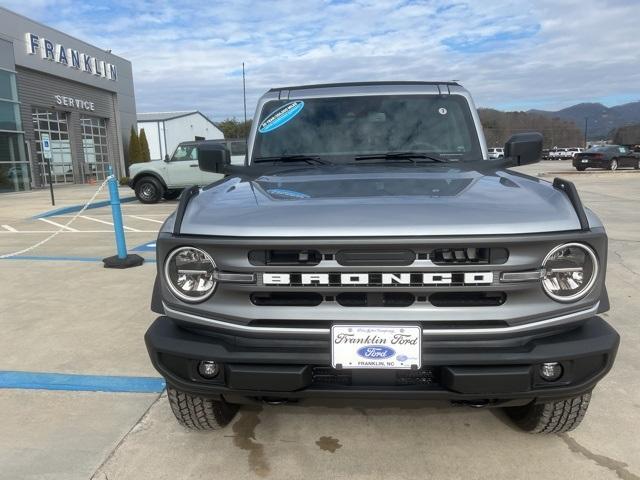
point(510, 54)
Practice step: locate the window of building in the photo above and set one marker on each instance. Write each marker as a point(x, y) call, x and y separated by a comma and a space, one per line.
point(94, 144)
point(15, 174)
point(56, 125)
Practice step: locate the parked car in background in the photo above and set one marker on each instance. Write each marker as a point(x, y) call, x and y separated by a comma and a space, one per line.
point(496, 153)
point(564, 153)
point(572, 152)
point(166, 178)
point(556, 153)
point(610, 157)
point(545, 154)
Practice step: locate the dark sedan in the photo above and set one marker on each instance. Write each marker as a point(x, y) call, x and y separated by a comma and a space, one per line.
point(610, 157)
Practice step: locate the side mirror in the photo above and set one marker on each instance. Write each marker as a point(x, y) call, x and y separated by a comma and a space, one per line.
point(523, 148)
point(213, 158)
point(166, 158)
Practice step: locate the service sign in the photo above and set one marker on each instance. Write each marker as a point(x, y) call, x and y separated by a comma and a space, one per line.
point(376, 347)
point(78, 103)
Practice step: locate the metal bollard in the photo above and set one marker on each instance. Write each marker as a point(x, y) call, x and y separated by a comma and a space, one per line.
point(122, 259)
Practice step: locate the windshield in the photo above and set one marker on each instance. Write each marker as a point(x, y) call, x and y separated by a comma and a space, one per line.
point(341, 128)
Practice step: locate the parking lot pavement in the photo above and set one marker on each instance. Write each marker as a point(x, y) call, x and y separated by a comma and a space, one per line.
point(63, 435)
point(63, 316)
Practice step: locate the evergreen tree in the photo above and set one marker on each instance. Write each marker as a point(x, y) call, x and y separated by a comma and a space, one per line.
point(135, 152)
point(144, 146)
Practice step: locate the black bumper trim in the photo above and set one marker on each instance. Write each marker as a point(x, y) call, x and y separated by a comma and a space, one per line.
point(487, 372)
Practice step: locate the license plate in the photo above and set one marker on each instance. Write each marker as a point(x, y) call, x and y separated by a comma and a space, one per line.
point(376, 347)
point(584, 160)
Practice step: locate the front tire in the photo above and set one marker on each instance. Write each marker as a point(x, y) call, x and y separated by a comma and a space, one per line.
point(200, 413)
point(581, 169)
point(550, 417)
point(149, 190)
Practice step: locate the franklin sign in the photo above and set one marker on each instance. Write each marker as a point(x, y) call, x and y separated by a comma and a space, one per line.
point(70, 57)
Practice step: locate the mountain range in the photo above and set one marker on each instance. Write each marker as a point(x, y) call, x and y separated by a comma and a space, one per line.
point(601, 119)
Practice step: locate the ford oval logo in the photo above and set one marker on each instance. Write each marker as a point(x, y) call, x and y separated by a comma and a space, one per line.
point(376, 351)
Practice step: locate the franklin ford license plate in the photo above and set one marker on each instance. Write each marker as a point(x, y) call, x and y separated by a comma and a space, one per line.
point(380, 346)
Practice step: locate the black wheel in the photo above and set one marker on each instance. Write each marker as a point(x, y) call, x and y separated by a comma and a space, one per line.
point(550, 417)
point(149, 190)
point(200, 413)
point(613, 165)
point(171, 194)
point(581, 169)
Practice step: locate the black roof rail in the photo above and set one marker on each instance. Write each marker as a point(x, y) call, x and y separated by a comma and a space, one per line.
point(570, 190)
point(361, 84)
point(185, 197)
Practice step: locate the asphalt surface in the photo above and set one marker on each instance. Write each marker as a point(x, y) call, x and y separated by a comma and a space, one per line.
point(61, 312)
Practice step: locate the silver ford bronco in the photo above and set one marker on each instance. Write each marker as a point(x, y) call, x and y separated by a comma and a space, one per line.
point(369, 248)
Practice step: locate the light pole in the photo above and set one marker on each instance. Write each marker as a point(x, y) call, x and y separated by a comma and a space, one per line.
point(586, 126)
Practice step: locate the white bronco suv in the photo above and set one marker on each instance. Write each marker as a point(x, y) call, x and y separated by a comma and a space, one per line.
point(166, 178)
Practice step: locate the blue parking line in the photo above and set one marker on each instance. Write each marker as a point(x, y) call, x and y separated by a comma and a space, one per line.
point(65, 259)
point(145, 247)
point(80, 383)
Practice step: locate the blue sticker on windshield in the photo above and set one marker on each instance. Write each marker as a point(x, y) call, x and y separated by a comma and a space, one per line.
point(281, 116)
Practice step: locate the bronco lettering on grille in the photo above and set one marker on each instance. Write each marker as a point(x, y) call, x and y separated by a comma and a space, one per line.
point(351, 279)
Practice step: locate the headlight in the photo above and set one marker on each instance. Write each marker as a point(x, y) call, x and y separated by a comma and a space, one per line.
point(190, 274)
point(569, 272)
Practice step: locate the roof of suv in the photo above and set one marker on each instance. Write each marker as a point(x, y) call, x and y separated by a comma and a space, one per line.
point(358, 84)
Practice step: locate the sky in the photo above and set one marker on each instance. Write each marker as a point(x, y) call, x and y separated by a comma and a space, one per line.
point(511, 55)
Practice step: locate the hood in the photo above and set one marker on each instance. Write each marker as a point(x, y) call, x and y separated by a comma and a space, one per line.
point(379, 200)
point(142, 165)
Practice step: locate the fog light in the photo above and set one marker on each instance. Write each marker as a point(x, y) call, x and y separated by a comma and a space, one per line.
point(551, 371)
point(208, 369)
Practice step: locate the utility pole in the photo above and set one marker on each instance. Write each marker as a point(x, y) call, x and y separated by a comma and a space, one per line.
point(586, 126)
point(244, 94)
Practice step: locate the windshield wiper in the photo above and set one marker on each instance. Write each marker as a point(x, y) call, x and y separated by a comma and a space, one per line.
point(411, 156)
point(310, 159)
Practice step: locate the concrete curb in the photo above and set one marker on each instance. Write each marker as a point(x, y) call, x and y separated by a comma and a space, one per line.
point(77, 208)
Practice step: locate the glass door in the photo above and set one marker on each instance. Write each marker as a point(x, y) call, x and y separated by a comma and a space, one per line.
point(56, 125)
point(94, 145)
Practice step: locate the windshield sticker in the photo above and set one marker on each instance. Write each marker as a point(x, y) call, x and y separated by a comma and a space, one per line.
point(442, 111)
point(281, 116)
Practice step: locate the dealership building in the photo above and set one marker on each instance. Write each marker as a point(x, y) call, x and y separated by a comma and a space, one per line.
point(63, 102)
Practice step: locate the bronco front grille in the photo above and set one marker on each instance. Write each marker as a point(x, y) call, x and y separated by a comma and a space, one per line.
point(378, 299)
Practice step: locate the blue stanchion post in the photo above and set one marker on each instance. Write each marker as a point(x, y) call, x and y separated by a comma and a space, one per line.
point(122, 259)
point(116, 213)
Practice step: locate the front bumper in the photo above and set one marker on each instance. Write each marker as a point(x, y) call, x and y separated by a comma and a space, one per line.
point(490, 372)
